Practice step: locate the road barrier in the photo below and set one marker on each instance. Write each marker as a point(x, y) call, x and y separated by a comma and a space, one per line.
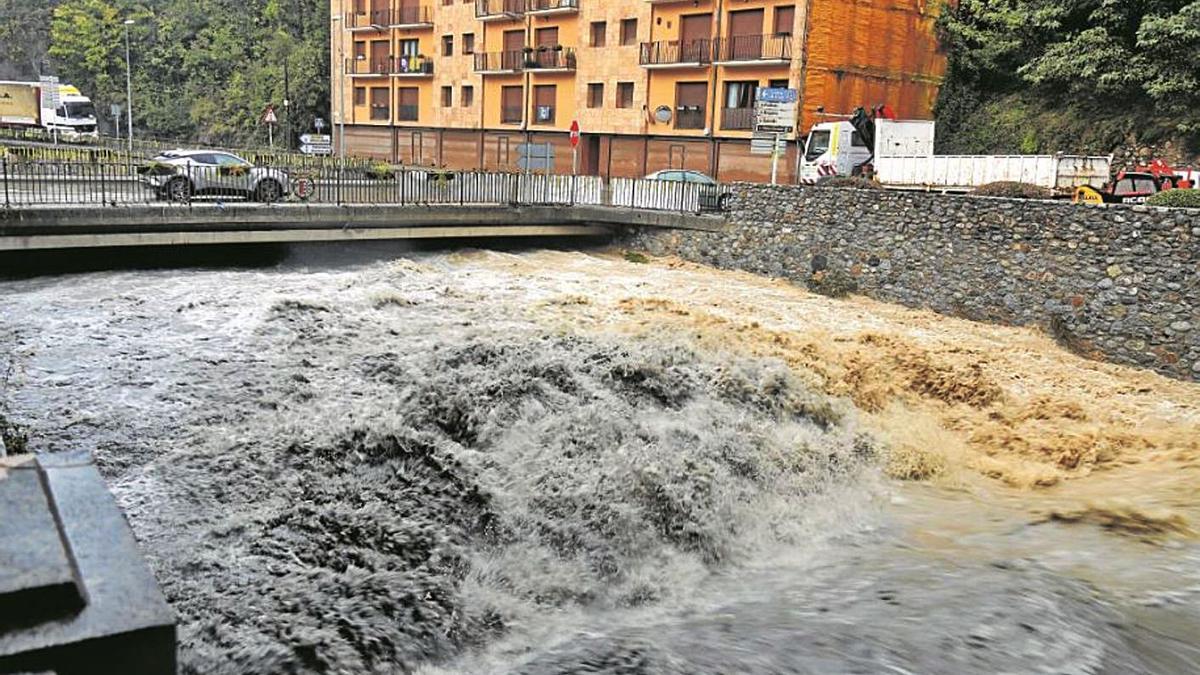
point(30, 182)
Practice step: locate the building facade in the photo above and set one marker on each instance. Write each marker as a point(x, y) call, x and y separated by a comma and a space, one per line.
point(653, 84)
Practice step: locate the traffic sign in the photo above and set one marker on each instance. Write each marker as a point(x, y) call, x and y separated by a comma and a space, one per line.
point(316, 149)
point(319, 123)
point(775, 110)
point(50, 94)
point(767, 143)
point(269, 116)
point(316, 139)
point(574, 133)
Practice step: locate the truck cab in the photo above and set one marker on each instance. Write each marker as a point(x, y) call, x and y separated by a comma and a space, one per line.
point(75, 117)
point(833, 149)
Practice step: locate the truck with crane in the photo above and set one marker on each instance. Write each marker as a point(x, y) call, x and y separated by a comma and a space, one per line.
point(899, 154)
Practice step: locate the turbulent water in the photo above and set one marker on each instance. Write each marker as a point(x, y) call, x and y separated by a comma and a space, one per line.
point(379, 466)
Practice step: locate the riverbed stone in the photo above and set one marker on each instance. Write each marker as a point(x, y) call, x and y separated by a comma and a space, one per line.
point(1013, 261)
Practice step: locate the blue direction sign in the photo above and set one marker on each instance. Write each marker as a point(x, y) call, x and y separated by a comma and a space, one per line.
point(777, 95)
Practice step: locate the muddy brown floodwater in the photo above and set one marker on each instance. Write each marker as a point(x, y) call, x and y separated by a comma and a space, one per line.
point(552, 462)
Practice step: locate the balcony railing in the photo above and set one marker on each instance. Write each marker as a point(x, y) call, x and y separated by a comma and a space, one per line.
point(551, 58)
point(737, 118)
point(391, 65)
point(510, 114)
point(551, 6)
point(775, 47)
point(499, 62)
point(675, 52)
point(379, 112)
point(407, 113)
point(499, 9)
point(409, 16)
point(689, 117)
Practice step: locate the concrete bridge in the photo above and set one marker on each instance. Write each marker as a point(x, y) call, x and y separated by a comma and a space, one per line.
point(68, 227)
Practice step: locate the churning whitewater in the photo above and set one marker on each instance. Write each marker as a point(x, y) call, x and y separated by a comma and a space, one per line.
point(429, 465)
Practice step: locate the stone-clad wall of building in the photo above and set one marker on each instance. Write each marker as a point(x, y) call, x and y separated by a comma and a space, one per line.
point(1116, 282)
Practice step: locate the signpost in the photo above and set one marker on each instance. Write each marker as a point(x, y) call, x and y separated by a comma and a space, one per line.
point(574, 147)
point(270, 119)
point(50, 100)
point(316, 144)
point(774, 117)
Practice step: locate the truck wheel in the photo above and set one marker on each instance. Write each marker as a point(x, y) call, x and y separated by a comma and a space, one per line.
point(268, 191)
point(178, 189)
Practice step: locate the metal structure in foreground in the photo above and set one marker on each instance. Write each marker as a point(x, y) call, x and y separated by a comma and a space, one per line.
point(28, 183)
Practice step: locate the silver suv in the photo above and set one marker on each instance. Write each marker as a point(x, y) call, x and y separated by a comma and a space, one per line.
point(179, 175)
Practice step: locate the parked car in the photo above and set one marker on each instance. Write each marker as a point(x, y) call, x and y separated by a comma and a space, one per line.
point(712, 196)
point(178, 175)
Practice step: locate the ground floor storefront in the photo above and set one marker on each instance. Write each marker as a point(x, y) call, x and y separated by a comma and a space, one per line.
point(609, 155)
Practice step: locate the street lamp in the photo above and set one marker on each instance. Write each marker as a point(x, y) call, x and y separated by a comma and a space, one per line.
point(128, 90)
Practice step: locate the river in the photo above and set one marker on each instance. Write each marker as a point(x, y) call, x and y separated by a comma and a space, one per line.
point(376, 461)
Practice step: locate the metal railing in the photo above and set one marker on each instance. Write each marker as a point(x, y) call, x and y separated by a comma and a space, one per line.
point(689, 117)
point(391, 65)
point(670, 52)
point(557, 57)
point(384, 18)
point(499, 8)
point(774, 47)
point(509, 61)
point(548, 6)
point(407, 113)
point(90, 184)
point(734, 119)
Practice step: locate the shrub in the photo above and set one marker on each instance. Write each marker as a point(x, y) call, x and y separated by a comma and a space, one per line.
point(1012, 190)
point(1180, 199)
point(635, 257)
point(856, 182)
point(380, 171)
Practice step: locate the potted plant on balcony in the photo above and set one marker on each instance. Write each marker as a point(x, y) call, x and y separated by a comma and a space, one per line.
point(530, 61)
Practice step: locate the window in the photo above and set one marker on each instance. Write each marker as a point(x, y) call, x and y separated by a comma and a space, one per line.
point(379, 103)
point(360, 50)
point(447, 45)
point(738, 105)
point(690, 99)
point(510, 105)
point(360, 96)
point(467, 98)
point(543, 103)
point(785, 17)
point(595, 97)
point(778, 84)
point(624, 94)
point(408, 100)
point(599, 28)
point(447, 97)
point(628, 31)
point(856, 140)
point(468, 43)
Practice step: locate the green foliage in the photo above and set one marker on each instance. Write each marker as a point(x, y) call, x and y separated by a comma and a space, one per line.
point(1032, 75)
point(1012, 190)
point(381, 171)
point(635, 257)
point(1182, 199)
point(202, 70)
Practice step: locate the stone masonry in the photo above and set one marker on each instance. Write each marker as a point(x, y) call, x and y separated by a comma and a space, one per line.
point(1115, 282)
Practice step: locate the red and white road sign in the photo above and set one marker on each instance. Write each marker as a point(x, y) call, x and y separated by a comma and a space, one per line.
point(574, 133)
point(269, 116)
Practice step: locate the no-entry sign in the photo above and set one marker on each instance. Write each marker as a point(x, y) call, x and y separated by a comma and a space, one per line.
point(574, 133)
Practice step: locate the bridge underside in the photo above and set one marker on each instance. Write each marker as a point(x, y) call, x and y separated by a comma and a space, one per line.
point(47, 228)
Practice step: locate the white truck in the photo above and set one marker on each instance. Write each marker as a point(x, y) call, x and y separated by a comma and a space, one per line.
point(73, 119)
point(899, 154)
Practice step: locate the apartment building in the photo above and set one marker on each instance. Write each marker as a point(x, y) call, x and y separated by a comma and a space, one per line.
point(653, 84)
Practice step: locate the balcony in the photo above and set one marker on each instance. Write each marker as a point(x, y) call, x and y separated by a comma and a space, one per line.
point(401, 17)
point(737, 119)
point(676, 54)
point(548, 7)
point(499, 10)
point(403, 66)
point(754, 50)
point(551, 59)
point(499, 63)
point(407, 113)
point(689, 117)
point(510, 114)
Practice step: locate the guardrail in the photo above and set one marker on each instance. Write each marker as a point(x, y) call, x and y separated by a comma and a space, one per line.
point(28, 184)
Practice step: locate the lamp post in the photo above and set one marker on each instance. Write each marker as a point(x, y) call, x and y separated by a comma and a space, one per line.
point(128, 91)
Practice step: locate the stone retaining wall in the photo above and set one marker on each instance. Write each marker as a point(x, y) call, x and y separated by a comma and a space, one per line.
point(1116, 282)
